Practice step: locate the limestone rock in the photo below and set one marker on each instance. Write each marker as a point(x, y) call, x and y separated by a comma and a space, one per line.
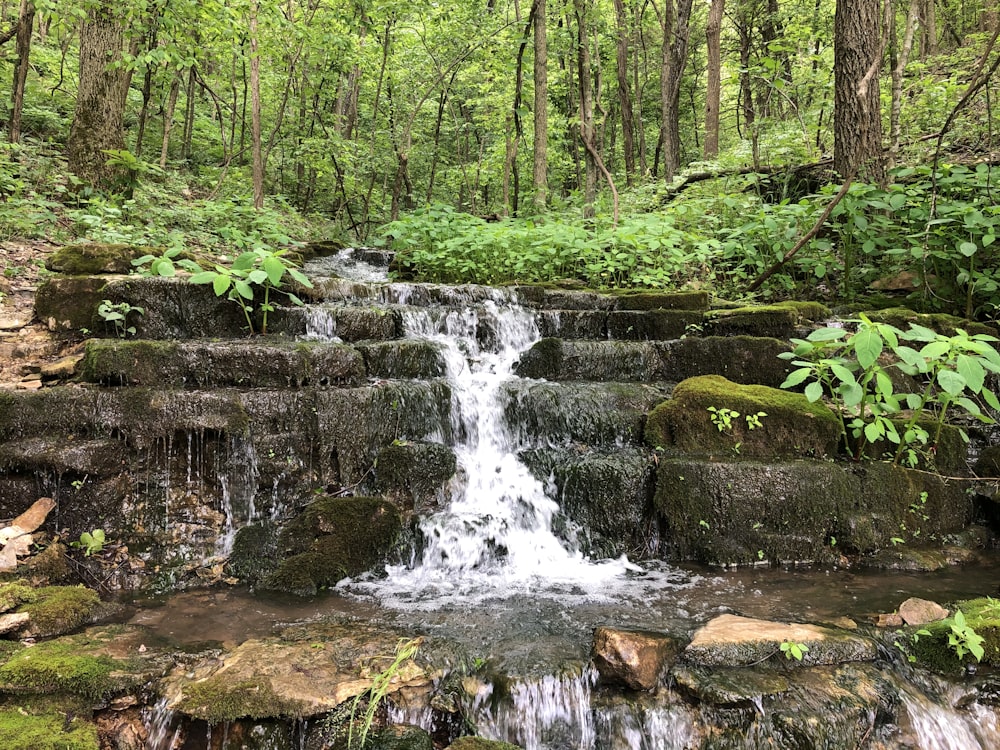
point(727, 687)
point(916, 611)
point(16, 538)
point(634, 658)
point(730, 640)
point(13, 621)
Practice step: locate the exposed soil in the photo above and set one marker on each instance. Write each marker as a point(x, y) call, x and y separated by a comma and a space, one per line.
point(26, 345)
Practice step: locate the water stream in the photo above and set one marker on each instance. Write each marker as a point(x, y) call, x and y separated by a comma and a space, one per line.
point(492, 575)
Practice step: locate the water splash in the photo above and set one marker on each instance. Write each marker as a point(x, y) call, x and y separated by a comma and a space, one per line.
point(938, 723)
point(162, 728)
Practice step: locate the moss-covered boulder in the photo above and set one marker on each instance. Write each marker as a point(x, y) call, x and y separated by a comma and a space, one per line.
point(332, 538)
point(92, 258)
point(22, 730)
point(480, 743)
point(771, 320)
point(988, 464)
point(254, 554)
point(653, 325)
point(662, 301)
point(980, 617)
point(414, 474)
point(94, 665)
point(55, 610)
point(942, 323)
point(403, 359)
point(710, 415)
point(622, 361)
point(751, 360)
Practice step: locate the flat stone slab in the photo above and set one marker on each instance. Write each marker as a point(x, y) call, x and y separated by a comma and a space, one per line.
point(731, 640)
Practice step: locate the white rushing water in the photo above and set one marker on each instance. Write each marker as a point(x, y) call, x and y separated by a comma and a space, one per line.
point(496, 536)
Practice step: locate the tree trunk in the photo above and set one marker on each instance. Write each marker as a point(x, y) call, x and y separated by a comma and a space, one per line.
point(624, 93)
point(928, 22)
point(587, 129)
point(255, 114)
point(100, 102)
point(168, 119)
point(713, 88)
point(676, 32)
point(857, 121)
point(541, 121)
point(187, 139)
point(25, 21)
point(902, 56)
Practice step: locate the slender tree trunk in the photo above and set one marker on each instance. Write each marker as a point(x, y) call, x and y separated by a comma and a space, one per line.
point(586, 114)
point(168, 119)
point(676, 32)
point(637, 57)
point(857, 121)
point(25, 21)
point(902, 57)
point(624, 92)
point(187, 140)
point(928, 22)
point(713, 88)
point(99, 114)
point(541, 117)
point(255, 110)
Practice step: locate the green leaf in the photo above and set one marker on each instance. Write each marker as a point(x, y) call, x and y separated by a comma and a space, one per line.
point(873, 432)
point(301, 278)
point(204, 277)
point(990, 398)
point(973, 372)
point(827, 334)
point(796, 376)
point(274, 269)
point(220, 284)
point(951, 382)
point(814, 391)
point(244, 261)
point(257, 276)
point(867, 346)
point(968, 249)
point(852, 394)
point(244, 289)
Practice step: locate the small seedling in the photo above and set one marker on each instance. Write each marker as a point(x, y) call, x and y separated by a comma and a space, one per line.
point(118, 315)
point(793, 650)
point(91, 542)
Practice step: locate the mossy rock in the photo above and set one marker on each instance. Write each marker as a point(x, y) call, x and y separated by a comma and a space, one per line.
point(941, 323)
point(988, 464)
point(69, 303)
point(92, 258)
point(742, 513)
point(771, 320)
point(403, 359)
point(45, 568)
point(982, 616)
point(662, 301)
point(56, 610)
point(480, 743)
point(94, 665)
point(25, 731)
point(652, 325)
point(751, 360)
point(413, 475)
point(218, 699)
point(332, 538)
point(254, 554)
point(14, 594)
point(792, 426)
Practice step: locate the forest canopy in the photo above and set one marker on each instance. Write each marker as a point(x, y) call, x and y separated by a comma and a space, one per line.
point(613, 142)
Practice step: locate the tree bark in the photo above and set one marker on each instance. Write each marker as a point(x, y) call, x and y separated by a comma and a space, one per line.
point(588, 132)
point(98, 118)
point(624, 92)
point(539, 179)
point(713, 87)
point(857, 121)
point(902, 56)
point(256, 146)
point(676, 33)
point(25, 21)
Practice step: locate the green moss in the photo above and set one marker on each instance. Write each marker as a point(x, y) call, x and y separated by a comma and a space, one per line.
point(255, 553)
point(22, 731)
point(92, 258)
point(793, 426)
point(982, 615)
point(413, 473)
point(662, 300)
point(58, 667)
point(480, 743)
point(742, 359)
point(59, 609)
point(216, 700)
point(14, 594)
point(941, 323)
point(69, 303)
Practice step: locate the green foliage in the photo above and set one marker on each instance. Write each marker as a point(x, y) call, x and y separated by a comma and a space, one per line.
point(963, 639)
point(117, 314)
point(793, 650)
point(91, 542)
point(255, 269)
point(381, 682)
point(854, 369)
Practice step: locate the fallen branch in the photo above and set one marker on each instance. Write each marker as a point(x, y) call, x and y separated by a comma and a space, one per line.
point(805, 238)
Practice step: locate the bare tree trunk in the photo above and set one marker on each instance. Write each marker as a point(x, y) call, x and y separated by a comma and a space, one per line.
point(541, 117)
point(676, 32)
point(99, 114)
point(587, 130)
point(188, 137)
point(168, 119)
point(624, 92)
point(255, 114)
point(898, 69)
point(857, 122)
point(25, 21)
point(713, 88)
point(928, 22)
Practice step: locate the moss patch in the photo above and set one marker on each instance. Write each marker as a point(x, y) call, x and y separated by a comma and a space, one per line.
point(941, 323)
point(14, 594)
point(662, 301)
point(66, 303)
point(793, 426)
point(56, 610)
point(22, 731)
point(982, 615)
point(480, 743)
point(92, 258)
point(217, 699)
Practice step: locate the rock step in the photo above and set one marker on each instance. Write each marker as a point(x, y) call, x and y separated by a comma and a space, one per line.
point(742, 359)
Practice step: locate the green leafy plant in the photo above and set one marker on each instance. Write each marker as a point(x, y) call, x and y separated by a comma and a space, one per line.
point(963, 639)
point(165, 264)
point(91, 542)
point(118, 315)
point(793, 650)
point(258, 269)
point(381, 682)
point(723, 418)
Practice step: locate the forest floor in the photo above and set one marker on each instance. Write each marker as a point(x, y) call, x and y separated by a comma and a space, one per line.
point(27, 347)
